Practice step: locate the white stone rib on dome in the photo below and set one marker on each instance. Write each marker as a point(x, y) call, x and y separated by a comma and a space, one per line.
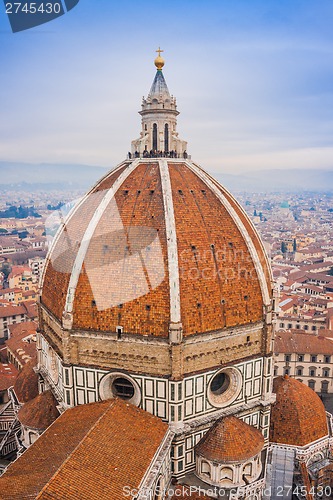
point(263, 249)
point(253, 252)
point(67, 218)
point(174, 286)
point(89, 233)
point(175, 312)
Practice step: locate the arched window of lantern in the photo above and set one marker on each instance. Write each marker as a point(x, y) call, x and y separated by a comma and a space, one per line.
point(166, 137)
point(155, 136)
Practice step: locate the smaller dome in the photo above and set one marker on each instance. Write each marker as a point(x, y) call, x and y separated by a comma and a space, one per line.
point(298, 417)
point(230, 440)
point(284, 204)
point(26, 384)
point(40, 412)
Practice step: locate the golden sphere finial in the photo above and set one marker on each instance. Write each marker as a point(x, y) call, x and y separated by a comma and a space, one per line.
point(159, 61)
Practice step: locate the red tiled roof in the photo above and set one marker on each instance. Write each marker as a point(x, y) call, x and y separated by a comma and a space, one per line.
point(40, 412)
point(31, 308)
point(26, 384)
point(298, 417)
point(4, 302)
point(10, 290)
point(17, 270)
point(302, 343)
point(21, 342)
point(11, 310)
point(230, 440)
point(3, 354)
point(8, 375)
point(26, 327)
point(91, 452)
point(28, 293)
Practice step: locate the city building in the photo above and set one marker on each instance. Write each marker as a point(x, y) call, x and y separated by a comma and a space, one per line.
point(36, 265)
point(21, 345)
point(7, 245)
point(11, 315)
point(306, 357)
point(22, 277)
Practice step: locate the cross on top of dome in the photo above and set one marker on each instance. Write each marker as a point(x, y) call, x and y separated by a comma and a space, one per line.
point(159, 61)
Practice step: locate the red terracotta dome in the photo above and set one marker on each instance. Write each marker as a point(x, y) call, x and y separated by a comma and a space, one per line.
point(230, 440)
point(157, 242)
point(298, 417)
point(26, 384)
point(40, 412)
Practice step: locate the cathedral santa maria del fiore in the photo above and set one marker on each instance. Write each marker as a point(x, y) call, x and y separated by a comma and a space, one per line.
point(155, 346)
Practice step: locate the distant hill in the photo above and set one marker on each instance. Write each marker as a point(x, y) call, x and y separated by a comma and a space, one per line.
point(46, 176)
point(292, 181)
point(30, 176)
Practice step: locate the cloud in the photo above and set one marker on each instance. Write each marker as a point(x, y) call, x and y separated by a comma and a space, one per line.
point(253, 84)
point(304, 158)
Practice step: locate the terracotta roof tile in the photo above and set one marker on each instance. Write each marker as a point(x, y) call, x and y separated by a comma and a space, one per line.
point(298, 417)
point(40, 412)
point(31, 308)
point(8, 375)
point(302, 343)
point(27, 328)
point(7, 311)
point(26, 384)
point(230, 440)
point(10, 290)
point(89, 453)
point(22, 342)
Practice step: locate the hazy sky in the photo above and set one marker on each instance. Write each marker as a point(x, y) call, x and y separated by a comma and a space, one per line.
point(253, 81)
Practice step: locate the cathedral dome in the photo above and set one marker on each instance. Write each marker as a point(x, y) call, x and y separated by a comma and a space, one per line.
point(298, 417)
point(230, 440)
point(157, 244)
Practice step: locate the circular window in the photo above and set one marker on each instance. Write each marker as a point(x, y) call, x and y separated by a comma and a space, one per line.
point(120, 385)
point(224, 387)
point(220, 383)
point(122, 388)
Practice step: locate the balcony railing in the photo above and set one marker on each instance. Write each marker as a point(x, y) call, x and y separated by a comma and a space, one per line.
point(158, 154)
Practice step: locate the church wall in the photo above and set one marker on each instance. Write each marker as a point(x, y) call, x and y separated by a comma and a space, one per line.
point(156, 393)
point(235, 344)
point(184, 404)
point(187, 398)
point(105, 351)
point(171, 400)
point(50, 366)
point(152, 355)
